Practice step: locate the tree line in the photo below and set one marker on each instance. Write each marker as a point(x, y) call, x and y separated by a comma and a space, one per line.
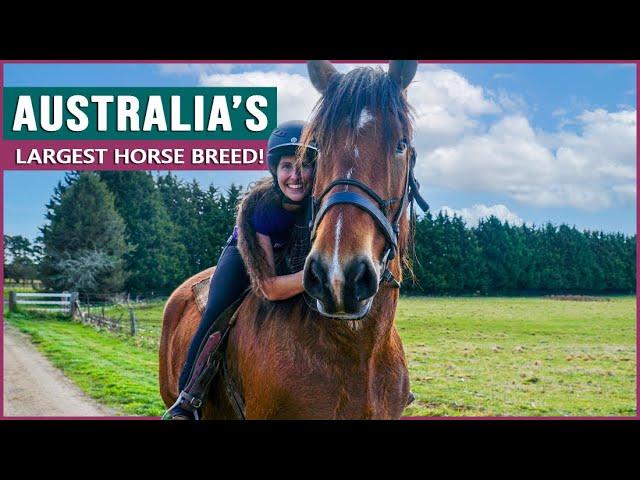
point(498, 258)
point(136, 232)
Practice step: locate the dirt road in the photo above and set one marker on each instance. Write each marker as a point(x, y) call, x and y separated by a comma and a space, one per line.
point(34, 387)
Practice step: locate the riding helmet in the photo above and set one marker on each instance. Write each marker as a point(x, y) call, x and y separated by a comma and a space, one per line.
point(285, 140)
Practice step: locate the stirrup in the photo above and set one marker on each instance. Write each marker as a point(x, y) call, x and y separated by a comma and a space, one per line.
point(183, 403)
point(167, 415)
point(410, 399)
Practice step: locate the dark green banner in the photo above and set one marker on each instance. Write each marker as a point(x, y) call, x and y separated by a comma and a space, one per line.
point(201, 113)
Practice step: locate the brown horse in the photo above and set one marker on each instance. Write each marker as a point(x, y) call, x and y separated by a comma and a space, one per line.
point(337, 355)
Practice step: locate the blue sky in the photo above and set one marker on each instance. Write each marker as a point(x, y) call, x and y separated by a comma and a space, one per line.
point(527, 142)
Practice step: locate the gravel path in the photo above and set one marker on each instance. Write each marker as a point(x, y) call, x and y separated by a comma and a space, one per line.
point(34, 387)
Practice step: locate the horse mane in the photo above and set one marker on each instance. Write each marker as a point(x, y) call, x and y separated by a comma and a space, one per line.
point(339, 110)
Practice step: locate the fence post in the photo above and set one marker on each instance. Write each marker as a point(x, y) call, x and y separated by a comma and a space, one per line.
point(132, 316)
point(73, 310)
point(12, 301)
point(63, 299)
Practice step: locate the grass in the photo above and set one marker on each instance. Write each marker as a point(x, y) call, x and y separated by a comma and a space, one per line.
point(466, 357)
point(520, 356)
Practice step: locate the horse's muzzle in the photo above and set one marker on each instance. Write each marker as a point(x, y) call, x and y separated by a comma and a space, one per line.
point(366, 306)
point(341, 291)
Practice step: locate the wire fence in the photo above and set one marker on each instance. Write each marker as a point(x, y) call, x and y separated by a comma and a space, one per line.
point(137, 316)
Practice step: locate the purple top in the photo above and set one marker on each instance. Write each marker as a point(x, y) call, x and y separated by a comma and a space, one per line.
point(272, 220)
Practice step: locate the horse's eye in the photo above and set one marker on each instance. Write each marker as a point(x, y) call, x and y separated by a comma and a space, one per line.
point(402, 147)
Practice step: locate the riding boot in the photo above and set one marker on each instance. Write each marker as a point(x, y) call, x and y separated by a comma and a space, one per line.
point(204, 370)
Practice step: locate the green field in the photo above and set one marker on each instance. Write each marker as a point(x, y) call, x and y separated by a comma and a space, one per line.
point(520, 356)
point(466, 356)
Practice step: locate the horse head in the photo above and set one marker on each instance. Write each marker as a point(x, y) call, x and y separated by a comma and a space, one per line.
point(362, 127)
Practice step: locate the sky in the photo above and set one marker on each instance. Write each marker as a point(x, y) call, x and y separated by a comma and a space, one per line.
point(531, 143)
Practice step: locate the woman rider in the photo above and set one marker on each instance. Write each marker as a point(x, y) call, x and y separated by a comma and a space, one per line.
point(273, 221)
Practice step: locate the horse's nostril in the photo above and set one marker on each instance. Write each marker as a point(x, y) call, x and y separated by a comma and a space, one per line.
point(361, 280)
point(360, 277)
point(359, 272)
point(315, 276)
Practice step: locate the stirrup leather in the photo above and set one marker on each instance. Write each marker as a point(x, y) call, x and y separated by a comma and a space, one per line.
point(203, 372)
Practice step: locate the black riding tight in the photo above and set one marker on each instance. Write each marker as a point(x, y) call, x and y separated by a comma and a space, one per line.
point(227, 283)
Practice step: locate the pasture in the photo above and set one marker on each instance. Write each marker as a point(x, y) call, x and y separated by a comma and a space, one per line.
point(466, 356)
point(520, 356)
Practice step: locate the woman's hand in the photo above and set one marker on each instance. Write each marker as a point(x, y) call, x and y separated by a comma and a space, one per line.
point(282, 287)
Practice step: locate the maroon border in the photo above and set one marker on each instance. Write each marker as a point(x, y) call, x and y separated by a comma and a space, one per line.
point(2, 168)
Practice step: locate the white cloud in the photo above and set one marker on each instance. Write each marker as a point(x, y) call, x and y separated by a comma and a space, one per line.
point(558, 112)
point(445, 87)
point(626, 192)
point(538, 168)
point(446, 106)
point(296, 95)
point(472, 215)
point(510, 102)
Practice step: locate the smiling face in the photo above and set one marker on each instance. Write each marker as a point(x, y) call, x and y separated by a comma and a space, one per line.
point(295, 182)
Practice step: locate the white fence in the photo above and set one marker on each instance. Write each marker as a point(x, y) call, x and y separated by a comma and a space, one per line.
point(44, 302)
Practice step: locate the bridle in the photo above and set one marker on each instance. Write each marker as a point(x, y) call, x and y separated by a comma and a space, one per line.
point(378, 210)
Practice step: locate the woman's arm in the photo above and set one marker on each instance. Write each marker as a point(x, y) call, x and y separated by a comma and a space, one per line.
point(284, 286)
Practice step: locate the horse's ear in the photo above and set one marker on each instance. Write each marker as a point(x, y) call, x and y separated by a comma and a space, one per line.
point(403, 71)
point(320, 71)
